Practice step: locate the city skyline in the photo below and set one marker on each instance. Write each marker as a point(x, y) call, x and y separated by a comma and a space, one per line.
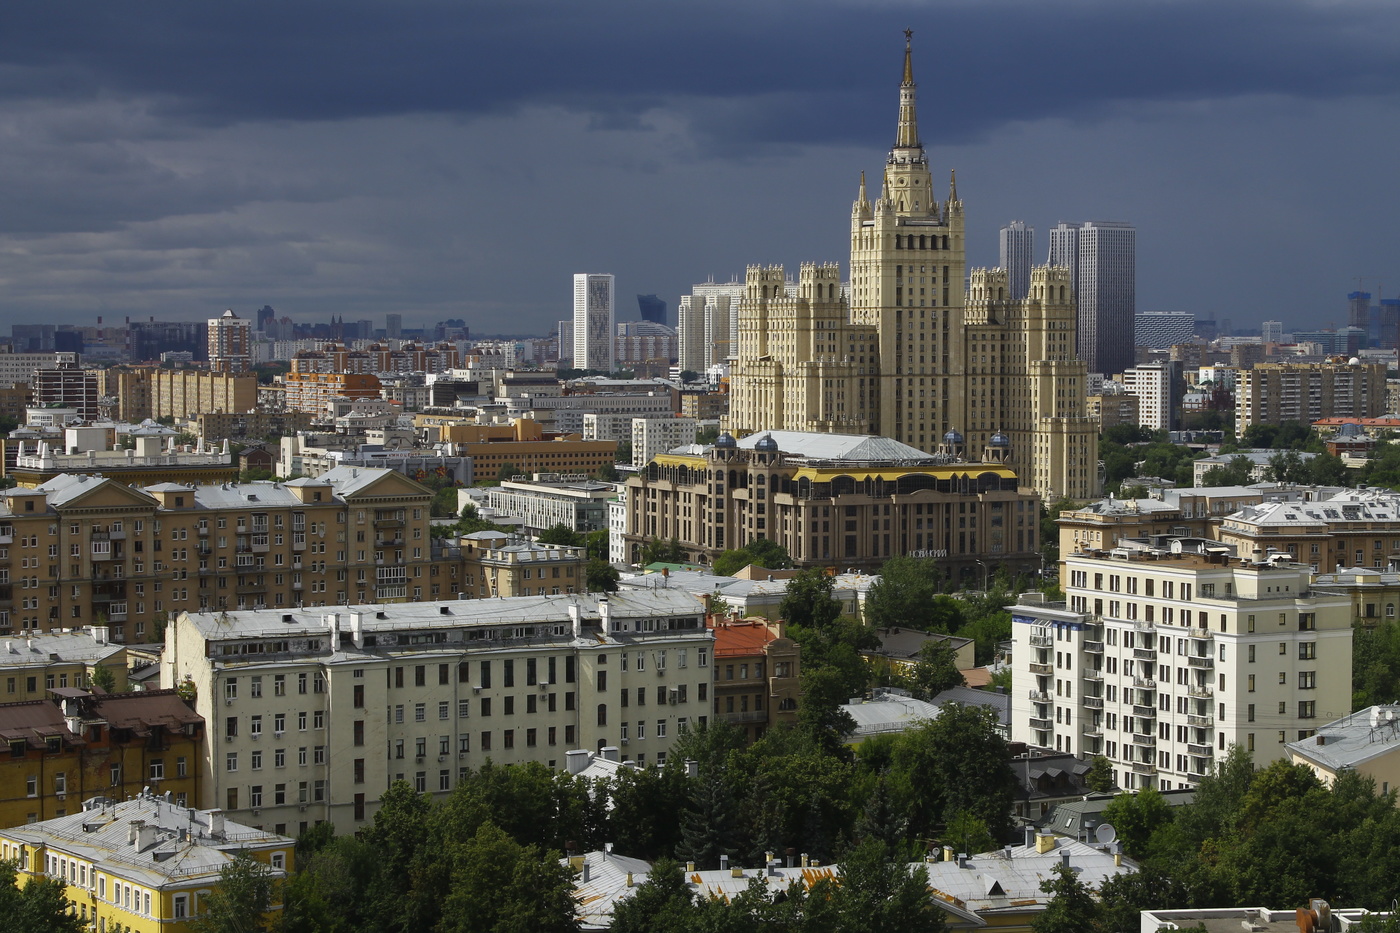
point(246, 157)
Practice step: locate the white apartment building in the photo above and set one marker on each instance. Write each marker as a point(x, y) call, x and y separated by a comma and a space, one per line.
point(652, 436)
point(1168, 651)
point(1152, 384)
point(312, 713)
point(550, 499)
point(617, 526)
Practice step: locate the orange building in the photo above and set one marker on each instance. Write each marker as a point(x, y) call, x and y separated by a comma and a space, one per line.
point(527, 445)
point(312, 391)
point(78, 744)
point(756, 671)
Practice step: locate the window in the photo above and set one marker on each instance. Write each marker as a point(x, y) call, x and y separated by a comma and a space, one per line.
point(602, 714)
point(231, 762)
point(157, 769)
point(661, 728)
point(1307, 709)
point(1307, 650)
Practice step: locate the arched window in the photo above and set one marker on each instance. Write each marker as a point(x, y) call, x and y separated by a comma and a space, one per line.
point(602, 714)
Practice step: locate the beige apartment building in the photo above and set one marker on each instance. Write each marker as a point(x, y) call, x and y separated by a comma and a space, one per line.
point(1306, 392)
point(313, 713)
point(86, 550)
point(147, 392)
point(905, 350)
point(1168, 651)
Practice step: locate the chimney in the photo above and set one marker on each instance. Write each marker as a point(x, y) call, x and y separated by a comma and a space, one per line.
point(692, 768)
point(605, 614)
point(585, 877)
point(947, 853)
point(1064, 857)
point(146, 837)
point(357, 629)
point(612, 753)
point(629, 879)
point(690, 866)
point(332, 620)
point(1044, 842)
point(1030, 837)
point(133, 830)
point(577, 619)
point(576, 760)
point(724, 863)
point(806, 862)
point(216, 822)
point(100, 633)
point(962, 859)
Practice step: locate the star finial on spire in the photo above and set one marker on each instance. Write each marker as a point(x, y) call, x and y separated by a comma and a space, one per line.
point(908, 57)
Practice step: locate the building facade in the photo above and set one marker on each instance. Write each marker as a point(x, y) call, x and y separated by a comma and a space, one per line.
point(593, 322)
point(756, 675)
point(1271, 393)
point(907, 351)
point(1106, 294)
point(315, 714)
point(837, 501)
point(230, 343)
point(707, 323)
point(1164, 329)
point(1169, 651)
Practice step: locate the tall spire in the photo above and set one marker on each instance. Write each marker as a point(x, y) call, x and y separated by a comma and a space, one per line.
point(908, 136)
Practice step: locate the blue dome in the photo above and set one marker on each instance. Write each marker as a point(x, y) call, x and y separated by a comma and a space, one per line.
point(766, 444)
point(1000, 440)
point(953, 437)
point(726, 440)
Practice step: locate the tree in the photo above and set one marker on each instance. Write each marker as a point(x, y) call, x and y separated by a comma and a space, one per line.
point(1100, 776)
point(657, 551)
point(936, 670)
point(500, 885)
point(967, 833)
point(560, 535)
point(1072, 909)
point(444, 503)
point(1136, 816)
point(661, 904)
point(808, 602)
point(904, 596)
point(40, 906)
point(601, 576)
point(759, 551)
point(242, 899)
point(1237, 472)
point(104, 679)
point(607, 472)
point(962, 746)
point(624, 452)
point(824, 692)
point(507, 472)
point(708, 822)
point(877, 894)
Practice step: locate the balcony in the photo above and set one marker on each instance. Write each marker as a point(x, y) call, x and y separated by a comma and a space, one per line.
point(1144, 767)
point(1040, 696)
point(1092, 730)
point(1201, 722)
point(203, 531)
point(1145, 712)
point(1199, 690)
point(1092, 702)
point(1145, 654)
point(1041, 641)
point(297, 586)
point(1147, 741)
point(1145, 683)
point(298, 545)
point(1090, 674)
point(1045, 670)
point(1202, 634)
point(1201, 751)
point(246, 589)
point(241, 529)
point(1039, 722)
point(1195, 660)
point(746, 717)
point(388, 523)
point(388, 542)
point(391, 592)
point(296, 564)
point(1142, 625)
point(1094, 647)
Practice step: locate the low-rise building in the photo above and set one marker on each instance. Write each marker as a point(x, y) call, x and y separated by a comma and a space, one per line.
point(1366, 742)
point(547, 499)
point(78, 744)
point(497, 565)
point(315, 713)
point(1167, 651)
point(756, 675)
point(33, 665)
point(1316, 916)
point(143, 864)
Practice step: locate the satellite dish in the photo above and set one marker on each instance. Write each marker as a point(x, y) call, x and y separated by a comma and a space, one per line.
point(1105, 833)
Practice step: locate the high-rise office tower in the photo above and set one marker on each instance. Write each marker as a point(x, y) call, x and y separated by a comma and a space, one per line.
point(230, 343)
point(593, 322)
point(652, 308)
point(265, 314)
point(1017, 248)
point(707, 322)
point(393, 326)
point(1272, 332)
point(916, 347)
point(1102, 260)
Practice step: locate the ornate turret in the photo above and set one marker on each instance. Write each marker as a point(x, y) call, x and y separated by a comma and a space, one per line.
point(861, 209)
point(908, 186)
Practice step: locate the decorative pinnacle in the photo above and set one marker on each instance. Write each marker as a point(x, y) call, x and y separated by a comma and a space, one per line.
point(908, 57)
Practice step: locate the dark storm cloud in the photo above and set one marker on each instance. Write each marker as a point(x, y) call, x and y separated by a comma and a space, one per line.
point(750, 73)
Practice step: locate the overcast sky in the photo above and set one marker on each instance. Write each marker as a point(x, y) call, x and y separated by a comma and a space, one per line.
point(464, 159)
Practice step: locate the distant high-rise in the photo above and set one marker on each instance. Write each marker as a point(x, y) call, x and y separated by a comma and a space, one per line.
point(652, 308)
point(230, 343)
point(1163, 329)
point(707, 321)
point(393, 326)
point(593, 322)
point(1017, 248)
point(1272, 332)
point(1102, 259)
point(566, 344)
point(265, 314)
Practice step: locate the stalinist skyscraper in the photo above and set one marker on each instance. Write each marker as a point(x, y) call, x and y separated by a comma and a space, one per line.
point(913, 347)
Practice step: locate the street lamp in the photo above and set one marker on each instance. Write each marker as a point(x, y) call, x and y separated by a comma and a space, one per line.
point(984, 575)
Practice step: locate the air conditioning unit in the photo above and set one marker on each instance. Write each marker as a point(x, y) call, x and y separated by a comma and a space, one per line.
point(476, 688)
point(256, 811)
point(419, 759)
point(624, 741)
point(228, 701)
point(442, 757)
point(277, 734)
point(543, 686)
point(301, 807)
point(461, 756)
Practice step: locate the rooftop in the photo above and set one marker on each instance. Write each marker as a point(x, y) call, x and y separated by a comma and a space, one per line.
point(860, 448)
point(80, 646)
point(1352, 740)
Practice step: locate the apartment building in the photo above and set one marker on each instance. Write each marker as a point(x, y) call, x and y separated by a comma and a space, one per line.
point(756, 675)
point(495, 565)
point(81, 550)
point(312, 392)
point(74, 745)
point(550, 499)
point(1306, 392)
point(1168, 650)
point(526, 446)
point(1355, 528)
point(315, 713)
point(142, 865)
point(30, 667)
point(652, 436)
